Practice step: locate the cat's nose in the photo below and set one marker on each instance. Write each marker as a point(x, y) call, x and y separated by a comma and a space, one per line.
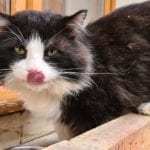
point(35, 77)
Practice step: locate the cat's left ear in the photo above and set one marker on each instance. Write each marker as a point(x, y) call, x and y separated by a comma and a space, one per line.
point(4, 19)
point(78, 18)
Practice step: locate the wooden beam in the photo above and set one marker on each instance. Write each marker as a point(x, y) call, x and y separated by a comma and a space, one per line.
point(18, 5)
point(9, 101)
point(129, 132)
point(21, 128)
point(113, 5)
point(57, 6)
point(35, 4)
point(3, 6)
point(109, 6)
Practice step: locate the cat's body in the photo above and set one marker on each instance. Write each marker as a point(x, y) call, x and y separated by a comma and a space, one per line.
point(79, 78)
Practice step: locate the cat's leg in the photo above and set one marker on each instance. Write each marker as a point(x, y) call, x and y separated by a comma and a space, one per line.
point(63, 131)
point(144, 108)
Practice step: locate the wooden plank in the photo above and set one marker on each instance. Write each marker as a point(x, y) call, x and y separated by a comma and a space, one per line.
point(18, 5)
point(9, 101)
point(7, 107)
point(3, 6)
point(8, 94)
point(113, 5)
point(21, 128)
point(35, 4)
point(57, 6)
point(44, 140)
point(8, 7)
point(109, 6)
point(129, 132)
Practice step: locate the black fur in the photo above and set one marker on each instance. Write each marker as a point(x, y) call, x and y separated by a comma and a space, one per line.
point(120, 46)
point(47, 25)
point(121, 43)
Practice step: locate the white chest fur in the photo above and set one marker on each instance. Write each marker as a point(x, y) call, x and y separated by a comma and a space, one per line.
point(43, 105)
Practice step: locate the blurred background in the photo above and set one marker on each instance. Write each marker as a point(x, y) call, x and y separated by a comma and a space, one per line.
point(96, 8)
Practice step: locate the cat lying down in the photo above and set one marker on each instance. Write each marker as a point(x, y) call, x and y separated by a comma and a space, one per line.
point(78, 77)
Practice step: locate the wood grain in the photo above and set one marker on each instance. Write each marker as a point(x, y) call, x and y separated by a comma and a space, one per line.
point(57, 6)
point(18, 5)
point(129, 132)
point(9, 101)
point(109, 6)
point(23, 128)
point(34, 4)
point(2, 6)
point(8, 94)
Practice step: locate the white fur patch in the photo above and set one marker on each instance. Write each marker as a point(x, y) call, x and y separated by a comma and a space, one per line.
point(144, 108)
point(45, 102)
point(42, 100)
point(35, 48)
point(3, 22)
point(34, 61)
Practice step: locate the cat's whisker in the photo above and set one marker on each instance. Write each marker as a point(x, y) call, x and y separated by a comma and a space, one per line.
point(5, 69)
point(3, 75)
point(88, 73)
point(70, 79)
point(92, 81)
point(57, 34)
point(19, 32)
point(51, 63)
point(13, 33)
point(74, 69)
point(6, 40)
point(132, 64)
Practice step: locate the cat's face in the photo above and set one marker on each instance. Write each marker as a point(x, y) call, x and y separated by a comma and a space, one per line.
point(44, 51)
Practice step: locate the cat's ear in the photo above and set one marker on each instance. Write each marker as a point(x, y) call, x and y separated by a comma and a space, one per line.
point(78, 18)
point(4, 19)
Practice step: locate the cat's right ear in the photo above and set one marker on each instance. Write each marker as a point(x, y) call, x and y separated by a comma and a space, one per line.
point(78, 18)
point(4, 19)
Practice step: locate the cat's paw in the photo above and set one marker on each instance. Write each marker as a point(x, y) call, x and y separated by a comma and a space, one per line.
point(144, 108)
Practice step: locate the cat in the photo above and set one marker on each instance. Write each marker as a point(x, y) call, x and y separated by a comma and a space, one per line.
point(80, 77)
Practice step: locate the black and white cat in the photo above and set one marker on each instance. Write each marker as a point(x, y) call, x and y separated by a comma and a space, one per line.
point(79, 77)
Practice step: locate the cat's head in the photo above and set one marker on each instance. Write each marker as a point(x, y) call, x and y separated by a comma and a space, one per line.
point(42, 50)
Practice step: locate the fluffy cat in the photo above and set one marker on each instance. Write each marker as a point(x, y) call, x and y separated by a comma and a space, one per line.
point(79, 77)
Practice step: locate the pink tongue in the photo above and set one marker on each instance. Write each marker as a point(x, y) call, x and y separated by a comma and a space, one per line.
point(35, 77)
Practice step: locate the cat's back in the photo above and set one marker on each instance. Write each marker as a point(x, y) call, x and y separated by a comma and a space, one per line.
point(123, 22)
point(122, 45)
point(123, 36)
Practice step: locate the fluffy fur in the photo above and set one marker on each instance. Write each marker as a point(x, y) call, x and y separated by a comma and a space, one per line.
point(98, 73)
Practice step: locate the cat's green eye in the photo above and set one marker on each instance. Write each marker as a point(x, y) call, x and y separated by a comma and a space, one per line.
point(51, 52)
point(20, 50)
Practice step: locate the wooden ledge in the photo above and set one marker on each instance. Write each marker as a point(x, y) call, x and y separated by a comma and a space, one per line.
point(129, 132)
point(9, 101)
